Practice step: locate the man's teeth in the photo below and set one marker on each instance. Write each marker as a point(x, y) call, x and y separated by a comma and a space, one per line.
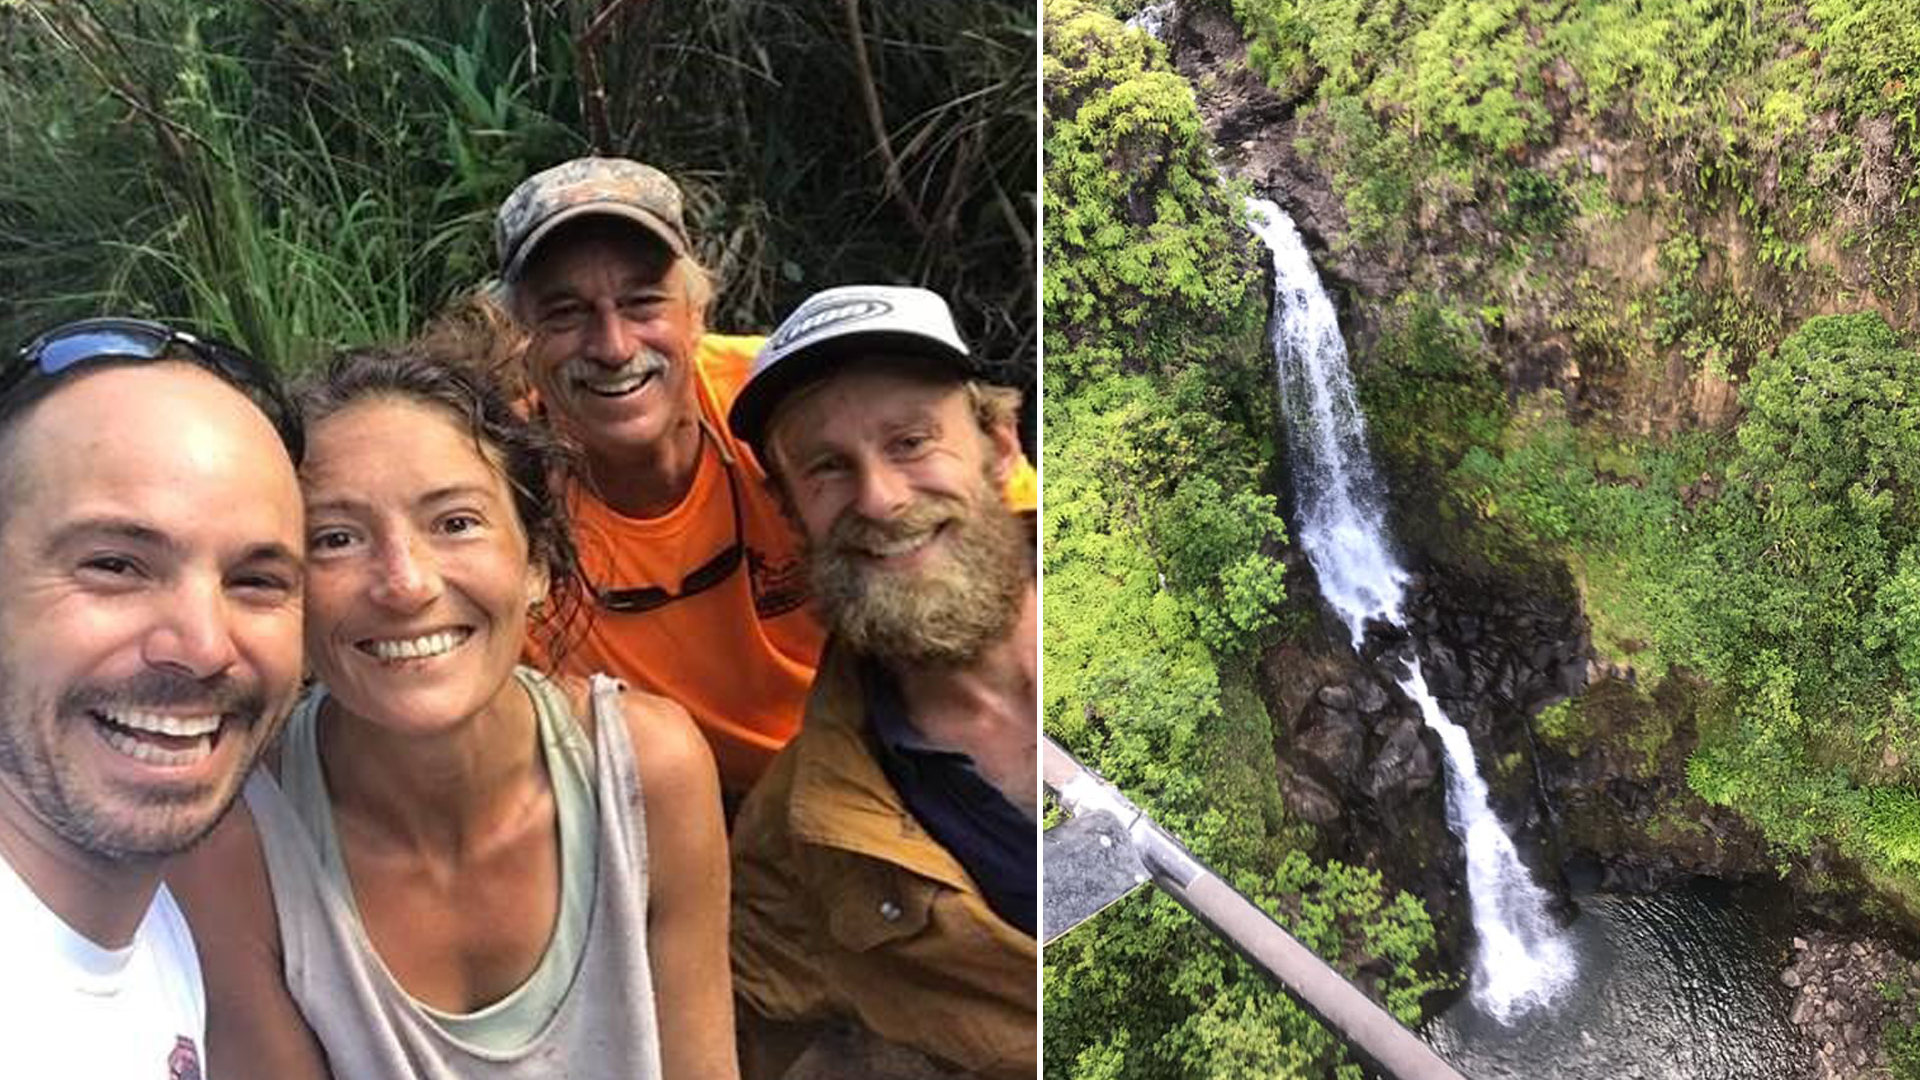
point(887, 549)
point(416, 648)
point(626, 384)
point(185, 727)
point(198, 729)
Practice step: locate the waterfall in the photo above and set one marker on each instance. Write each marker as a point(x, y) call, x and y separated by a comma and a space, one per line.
point(1336, 492)
point(1152, 17)
point(1523, 960)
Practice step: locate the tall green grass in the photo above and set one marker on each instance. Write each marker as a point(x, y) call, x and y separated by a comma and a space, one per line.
point(299, 175)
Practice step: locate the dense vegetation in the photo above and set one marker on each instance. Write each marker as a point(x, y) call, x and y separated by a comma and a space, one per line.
point(1163, 583)
point(1780, 565)
point(1643, 206)
point(1632, 286)
point(1793, 113)
point(303, 174)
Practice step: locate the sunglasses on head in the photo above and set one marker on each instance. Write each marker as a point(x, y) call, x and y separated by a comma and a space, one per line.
point(120, 339)
point(633, 601)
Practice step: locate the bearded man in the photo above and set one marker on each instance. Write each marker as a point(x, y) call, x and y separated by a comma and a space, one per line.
point(884, 871)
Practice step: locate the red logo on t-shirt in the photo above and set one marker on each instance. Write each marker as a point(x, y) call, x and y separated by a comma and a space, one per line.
point(184, 1062)
point(777, 587)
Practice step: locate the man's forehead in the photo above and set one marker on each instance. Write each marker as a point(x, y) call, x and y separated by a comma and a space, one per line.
point(172, 436)
point(198, 516)
point(606, 244)
point(866, 393)
point(158, 409)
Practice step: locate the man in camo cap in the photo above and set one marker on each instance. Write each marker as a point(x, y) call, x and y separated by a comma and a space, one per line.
point(697, 577)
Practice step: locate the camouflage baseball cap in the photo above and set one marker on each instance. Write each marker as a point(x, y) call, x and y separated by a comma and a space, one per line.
point(584, 186)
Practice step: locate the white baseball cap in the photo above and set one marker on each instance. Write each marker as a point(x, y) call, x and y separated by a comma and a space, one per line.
point(885, 322)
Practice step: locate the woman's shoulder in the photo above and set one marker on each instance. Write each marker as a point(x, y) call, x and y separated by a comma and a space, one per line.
point(659, 730)
point(222, 881)
point(669, 752)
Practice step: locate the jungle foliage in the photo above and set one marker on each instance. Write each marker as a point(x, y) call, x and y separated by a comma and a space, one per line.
point(1765, 152)
point(299, 175)
point(1769, 149)
point(1781, 565)
point(1716, 83)
point(1163, 582)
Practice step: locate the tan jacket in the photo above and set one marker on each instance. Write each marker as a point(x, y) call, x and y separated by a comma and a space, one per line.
point(843, 905)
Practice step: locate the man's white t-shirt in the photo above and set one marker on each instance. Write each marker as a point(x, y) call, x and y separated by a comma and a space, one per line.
point(69, 1008)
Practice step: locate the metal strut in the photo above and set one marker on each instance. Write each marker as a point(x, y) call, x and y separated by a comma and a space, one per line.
point(1119, 847)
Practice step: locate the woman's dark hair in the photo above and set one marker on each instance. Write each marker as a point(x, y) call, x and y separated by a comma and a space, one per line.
point(534, 462)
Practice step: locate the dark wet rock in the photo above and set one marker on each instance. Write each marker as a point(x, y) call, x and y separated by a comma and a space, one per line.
point(1369, 696)
point(1309, 800)
point(1338, 742)
point(1582, 873)
point(1445, 675)
point(1573, 679)
point(1335, 697)
point(1506, 685)
point(1541, 656)
point(1482, 672)
point(1380, 638)
point(1404, 765)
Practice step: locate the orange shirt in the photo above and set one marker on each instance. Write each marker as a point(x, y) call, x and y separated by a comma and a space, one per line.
point(740, 655)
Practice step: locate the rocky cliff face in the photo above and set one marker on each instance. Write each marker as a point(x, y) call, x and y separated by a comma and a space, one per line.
point(1357, 761)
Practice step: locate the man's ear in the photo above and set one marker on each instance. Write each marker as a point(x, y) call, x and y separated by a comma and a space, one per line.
point(1003, 448)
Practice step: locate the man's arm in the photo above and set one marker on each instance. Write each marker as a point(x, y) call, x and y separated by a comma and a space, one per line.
point(253, 1026)
point(687, 883)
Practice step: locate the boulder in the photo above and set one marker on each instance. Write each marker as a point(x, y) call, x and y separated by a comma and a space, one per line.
point(1337, 741)
point(1369, 696)
point(1445, 678)
point(1404, 764)
point(1335, 697)
point(1309, 800)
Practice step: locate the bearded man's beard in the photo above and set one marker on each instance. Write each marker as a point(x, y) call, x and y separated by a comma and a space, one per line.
point(947, 612)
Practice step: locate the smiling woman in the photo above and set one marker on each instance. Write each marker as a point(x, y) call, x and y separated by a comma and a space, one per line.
point(458, 867)
point(419, 576)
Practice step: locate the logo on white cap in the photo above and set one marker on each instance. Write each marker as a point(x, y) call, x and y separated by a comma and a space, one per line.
point(832, 313)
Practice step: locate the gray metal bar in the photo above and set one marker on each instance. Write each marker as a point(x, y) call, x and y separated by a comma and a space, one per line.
point(1368, 1028)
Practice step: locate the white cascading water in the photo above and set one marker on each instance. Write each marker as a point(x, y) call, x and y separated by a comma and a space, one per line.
point(1152, 17)
point(1335, 490)
point(1523, 961)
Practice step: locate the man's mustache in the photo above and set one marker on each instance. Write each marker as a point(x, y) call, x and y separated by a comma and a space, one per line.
point(644, 361)
point(855, 530)
point(162, 689)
